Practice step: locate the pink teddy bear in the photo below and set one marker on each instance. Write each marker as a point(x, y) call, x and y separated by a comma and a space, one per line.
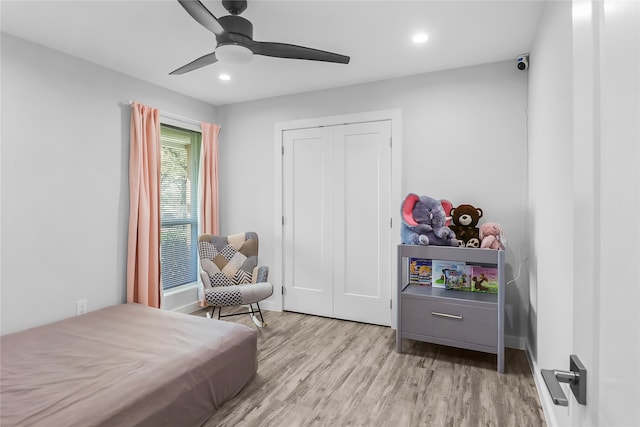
point(491, 236)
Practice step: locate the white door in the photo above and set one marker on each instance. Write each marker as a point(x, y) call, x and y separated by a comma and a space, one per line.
point(605, 314)
point(336, 196)
point(308, 229)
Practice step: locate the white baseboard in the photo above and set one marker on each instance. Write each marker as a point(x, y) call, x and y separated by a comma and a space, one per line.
point(270, 305)
point(543, 394)
point(513, 341)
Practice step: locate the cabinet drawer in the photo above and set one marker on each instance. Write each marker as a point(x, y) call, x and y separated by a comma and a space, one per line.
point(447, 319)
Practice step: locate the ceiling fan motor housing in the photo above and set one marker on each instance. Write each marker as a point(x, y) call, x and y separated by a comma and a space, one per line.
point(235, 7)
point(237, 25)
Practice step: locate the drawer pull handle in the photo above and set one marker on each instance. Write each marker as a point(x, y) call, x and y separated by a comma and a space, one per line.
point(448, 316)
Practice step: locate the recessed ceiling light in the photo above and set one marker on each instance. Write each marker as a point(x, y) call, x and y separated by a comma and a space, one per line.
point(224, 77)
point(420, 37)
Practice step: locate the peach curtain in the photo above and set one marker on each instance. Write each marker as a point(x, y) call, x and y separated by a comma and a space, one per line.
point(209, 223)
point(143, 260)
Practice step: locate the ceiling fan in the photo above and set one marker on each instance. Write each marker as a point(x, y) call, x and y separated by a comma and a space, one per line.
point(234, 36)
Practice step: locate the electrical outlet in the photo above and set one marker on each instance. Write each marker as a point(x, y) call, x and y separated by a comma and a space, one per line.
point(81, 307)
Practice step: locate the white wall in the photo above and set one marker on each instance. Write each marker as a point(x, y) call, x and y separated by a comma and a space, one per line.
point(550, 193)
point(464, 139)
point(551, 174)
point(65, 195)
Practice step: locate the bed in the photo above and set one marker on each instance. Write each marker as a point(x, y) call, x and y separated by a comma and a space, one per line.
point(124, 365)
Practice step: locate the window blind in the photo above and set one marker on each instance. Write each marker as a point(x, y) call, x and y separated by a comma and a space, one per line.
point(179, 158)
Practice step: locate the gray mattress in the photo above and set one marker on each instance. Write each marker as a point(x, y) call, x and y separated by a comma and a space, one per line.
point(124, 365)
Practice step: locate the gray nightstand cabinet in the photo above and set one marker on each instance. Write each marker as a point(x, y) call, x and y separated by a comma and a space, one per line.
point(471, 320)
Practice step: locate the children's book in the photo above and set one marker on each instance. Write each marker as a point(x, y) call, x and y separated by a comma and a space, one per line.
point(420, 271)
point(449, 271)
point(458, 279)
point(484, 279)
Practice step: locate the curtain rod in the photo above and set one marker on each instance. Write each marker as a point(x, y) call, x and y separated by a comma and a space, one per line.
point(176, 117)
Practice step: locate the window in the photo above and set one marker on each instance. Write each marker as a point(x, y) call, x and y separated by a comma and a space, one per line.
point(179, 158)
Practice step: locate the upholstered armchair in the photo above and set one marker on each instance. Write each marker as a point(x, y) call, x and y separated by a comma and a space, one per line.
point(230, 274)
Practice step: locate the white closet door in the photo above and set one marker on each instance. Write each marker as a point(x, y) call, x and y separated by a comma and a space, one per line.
point(308, 240)
point(362, 187)
point(336, 193)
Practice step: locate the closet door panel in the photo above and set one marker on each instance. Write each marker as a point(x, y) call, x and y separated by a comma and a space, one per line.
point(362, 177)
point(308, 277)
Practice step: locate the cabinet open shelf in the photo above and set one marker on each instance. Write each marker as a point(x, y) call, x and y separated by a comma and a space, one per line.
point(412, 289)
point(471, 320)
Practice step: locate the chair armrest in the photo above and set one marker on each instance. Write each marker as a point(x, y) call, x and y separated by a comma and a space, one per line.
point(204, 277)
point(260, 274)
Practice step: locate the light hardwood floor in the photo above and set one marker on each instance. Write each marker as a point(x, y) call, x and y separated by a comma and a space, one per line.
point(315, 371)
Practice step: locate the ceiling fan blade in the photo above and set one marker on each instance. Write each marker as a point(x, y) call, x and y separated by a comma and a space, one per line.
point(203, 61)
point(202, 15)
point(284, 50)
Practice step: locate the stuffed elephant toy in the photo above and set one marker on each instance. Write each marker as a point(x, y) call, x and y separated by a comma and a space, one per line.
point(423, 222)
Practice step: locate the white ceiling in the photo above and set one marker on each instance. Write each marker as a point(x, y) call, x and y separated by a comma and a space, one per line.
point(148, 39)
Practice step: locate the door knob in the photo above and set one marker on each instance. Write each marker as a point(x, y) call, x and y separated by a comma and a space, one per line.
point(576, 377)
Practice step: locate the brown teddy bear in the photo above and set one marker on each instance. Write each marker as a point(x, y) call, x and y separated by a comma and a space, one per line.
point(465, 220)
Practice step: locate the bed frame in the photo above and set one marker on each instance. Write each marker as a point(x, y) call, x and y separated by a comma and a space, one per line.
point(124, 365)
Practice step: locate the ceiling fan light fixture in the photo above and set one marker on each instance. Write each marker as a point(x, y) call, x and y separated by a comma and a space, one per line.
point(419, 38)
point(233, 54)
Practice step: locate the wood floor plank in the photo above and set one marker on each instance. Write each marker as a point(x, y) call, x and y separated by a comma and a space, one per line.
point(315, 371)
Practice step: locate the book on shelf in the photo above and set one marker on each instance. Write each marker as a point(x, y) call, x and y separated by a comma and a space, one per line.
point(484, 279)
point(420, 271)
point(458, 279)
point(451, 275)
